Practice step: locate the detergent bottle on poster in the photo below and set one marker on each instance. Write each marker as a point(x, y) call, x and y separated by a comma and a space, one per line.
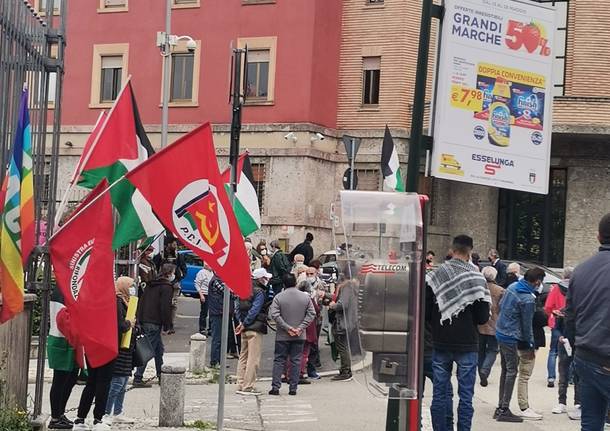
point(498, 130)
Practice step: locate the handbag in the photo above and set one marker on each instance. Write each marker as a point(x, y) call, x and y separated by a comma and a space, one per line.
point(143, 351)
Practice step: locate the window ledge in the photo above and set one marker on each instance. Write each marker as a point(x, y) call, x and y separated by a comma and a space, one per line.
point(374, 6)
point(369, 108)
point(181, 105)
point(101, 105)
point(259, 102)
point(186, 5)
point(112, 9)
point(254, 2)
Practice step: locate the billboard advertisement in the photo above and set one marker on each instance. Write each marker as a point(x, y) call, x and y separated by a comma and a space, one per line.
point(492, 121)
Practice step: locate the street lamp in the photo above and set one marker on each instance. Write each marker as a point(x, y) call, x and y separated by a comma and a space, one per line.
point(165, 41)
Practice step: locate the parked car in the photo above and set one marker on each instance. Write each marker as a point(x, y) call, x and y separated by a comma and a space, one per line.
point(193, 265)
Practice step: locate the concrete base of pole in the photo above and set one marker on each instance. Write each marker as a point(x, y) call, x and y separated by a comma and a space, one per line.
point(197, 353)
point(171, 398)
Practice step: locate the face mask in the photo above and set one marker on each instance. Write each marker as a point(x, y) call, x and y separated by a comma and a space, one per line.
point(539, 288)
point(311, 279)
point(263, 252)
point(428, 261)
point(263, 281)
point(132, 291)
point(172, 278)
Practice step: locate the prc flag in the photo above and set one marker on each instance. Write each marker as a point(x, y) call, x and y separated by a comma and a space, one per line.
point(83, 262)
point(390, 164)
point(17, 211)
point(183, 184)
point(245, 206)
point(120, 146)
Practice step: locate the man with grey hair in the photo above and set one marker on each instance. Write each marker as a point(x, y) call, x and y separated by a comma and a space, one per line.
point(488, 344)
point(513, 273)
point(494, 259)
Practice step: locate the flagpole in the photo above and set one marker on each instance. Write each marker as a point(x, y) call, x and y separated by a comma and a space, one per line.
point(237, 99)
point(84, 208)
point(77, 171)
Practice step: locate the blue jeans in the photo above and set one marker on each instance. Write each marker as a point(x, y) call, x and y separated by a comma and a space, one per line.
point(116, 395)
point(283, 351)
point(488, 351)
point(152, 331)
point(594, 394)
point(203, 317)
point(442, 365)
point(429, 374)
point(216, 327)
point(551, 364)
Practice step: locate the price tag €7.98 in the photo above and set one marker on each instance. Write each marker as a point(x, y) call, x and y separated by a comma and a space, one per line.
point(470, 99)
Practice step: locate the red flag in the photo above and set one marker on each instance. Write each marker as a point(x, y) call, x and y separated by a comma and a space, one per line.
point(83, 262)
point(185, 189)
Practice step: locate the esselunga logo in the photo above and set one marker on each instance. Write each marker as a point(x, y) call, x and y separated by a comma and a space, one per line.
point(492, 164)
point(78, 265)
point(390, 268)
point(200, 219)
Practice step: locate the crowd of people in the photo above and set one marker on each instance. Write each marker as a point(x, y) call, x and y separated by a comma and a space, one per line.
point(476, 310)
point(288, 297)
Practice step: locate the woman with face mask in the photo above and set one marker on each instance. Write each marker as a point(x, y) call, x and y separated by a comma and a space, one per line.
point(125, 288)
point(155, 315)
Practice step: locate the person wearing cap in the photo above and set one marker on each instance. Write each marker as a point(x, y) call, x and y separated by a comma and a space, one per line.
point(252, 317)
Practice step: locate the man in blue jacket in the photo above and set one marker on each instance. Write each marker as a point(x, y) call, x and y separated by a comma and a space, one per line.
point(588, 321)
point(515, 334)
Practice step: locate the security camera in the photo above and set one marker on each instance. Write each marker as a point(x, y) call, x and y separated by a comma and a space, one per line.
point(191, 45)
point(320, 136)
point(291, 136)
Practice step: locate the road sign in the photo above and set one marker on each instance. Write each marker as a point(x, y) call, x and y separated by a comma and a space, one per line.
point(346, 179)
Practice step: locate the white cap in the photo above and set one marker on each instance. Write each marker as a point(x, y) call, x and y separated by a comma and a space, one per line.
point(261, 273)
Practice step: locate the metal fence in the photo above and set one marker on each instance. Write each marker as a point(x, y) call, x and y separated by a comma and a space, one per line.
point(32, 46)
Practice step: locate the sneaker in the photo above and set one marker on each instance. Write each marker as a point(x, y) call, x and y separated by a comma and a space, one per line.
point(484, 381)
point(560, 409)
point(274, 392)
point(313, 375)
point(59, 424)
point(107, 419)
point(530, 415)
point(505, 415)
point(101, 426)
point(304, 381)
point(249, 391)
point(575, 414)
point(292, 392)
point(140, 384)
point(122, 419)
point(66, 420)
point(497, 412)
point(79, 424)
point(550, 383)
point(342, 378)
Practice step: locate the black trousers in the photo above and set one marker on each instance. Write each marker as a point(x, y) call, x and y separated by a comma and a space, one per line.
point(98, 385)
point(61, 388)
point(344, 355)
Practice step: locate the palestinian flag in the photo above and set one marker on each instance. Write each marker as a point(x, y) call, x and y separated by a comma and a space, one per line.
point(245, 207)
point(120, 146)
point(390, 164)
point(59, 352)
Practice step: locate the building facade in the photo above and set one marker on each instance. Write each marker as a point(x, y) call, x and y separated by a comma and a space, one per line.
point(320, 68)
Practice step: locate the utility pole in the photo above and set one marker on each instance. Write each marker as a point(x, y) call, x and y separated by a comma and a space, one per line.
point(404, 414)
point(237, 99)
point(166, 52)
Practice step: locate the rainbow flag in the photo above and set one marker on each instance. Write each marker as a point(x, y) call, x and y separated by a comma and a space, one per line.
point(17, 216)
